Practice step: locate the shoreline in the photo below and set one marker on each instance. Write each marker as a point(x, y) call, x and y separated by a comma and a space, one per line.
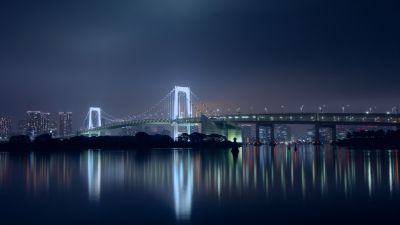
point(141, 141)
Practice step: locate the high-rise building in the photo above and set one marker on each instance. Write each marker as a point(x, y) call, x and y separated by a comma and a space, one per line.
point(283, 133)
point(46, 123)
point(33, 123)
point(65, 124)
point(53, 128)
point(37, 123)
point(248, 135)
point(5, 127)
point(22, 127)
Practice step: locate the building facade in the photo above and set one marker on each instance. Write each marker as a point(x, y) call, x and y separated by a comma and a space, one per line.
point(64, 124)
point(5, 128)
point(37, 123)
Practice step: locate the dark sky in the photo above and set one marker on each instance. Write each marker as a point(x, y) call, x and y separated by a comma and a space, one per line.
point(126, 55)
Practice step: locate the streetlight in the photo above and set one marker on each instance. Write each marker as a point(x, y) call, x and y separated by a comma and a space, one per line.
point(238, 110)
point(301, 108)
point(266, 110)
point(282, 107)
point(344, 107)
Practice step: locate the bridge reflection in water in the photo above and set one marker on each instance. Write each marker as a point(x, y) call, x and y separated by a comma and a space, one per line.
point(183, 184)
point(94, 175)
point(182, 177)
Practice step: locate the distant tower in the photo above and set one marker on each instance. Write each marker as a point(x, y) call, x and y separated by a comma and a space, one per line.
point(97, 122)
point(35, 123)
point(64, 124)
point(5, 127)
point(45, 123)
point(181, 109)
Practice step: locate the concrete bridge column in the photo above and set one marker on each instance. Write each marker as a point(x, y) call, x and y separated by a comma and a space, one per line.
point(257, 133)
point(272, 134)
point(334, 138)
point(316, 135)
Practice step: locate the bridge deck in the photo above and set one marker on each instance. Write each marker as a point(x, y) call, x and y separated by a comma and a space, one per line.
point(375, 119)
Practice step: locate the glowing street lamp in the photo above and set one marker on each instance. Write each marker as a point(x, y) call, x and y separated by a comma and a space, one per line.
point(394, 109)
point(238, 110)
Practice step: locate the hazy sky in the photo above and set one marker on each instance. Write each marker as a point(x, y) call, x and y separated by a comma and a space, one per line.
point(126, 55)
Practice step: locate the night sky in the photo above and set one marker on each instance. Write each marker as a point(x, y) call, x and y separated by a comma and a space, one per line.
point(126, 55)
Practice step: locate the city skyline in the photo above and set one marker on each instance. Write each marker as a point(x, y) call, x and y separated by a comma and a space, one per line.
point(123, 56)
point(199, 112)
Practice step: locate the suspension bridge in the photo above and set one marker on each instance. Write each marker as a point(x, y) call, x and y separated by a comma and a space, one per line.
point(181, 109)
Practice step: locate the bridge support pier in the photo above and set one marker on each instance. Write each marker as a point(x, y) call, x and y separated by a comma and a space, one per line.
point(257, 133)
point(272, 134)
point(317, 135)
point(334, 135)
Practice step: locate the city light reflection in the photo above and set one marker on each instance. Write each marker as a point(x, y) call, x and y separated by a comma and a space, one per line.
point(180, 177)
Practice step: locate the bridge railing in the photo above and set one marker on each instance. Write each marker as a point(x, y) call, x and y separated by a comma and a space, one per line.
point(312, 118)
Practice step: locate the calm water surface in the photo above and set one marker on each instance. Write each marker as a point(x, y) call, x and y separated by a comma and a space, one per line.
point(323, 185)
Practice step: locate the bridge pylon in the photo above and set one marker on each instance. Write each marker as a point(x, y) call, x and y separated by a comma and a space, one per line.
point(97, 119)
point(181, 109)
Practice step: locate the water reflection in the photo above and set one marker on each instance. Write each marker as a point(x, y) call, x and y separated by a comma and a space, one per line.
point(94, 175)
point(3, 168)
point(183, 184)
point(182, 177)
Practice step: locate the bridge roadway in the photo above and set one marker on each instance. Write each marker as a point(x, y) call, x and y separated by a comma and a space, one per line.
point(268, 120)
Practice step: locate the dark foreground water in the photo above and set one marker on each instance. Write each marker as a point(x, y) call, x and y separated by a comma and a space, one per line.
point(259, 186)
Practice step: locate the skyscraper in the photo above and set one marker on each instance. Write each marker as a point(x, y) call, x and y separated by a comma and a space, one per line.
point(22, 127)
point(65, 124)
point(33, 123)
point(37, 123)
point(5, 127)
point(45, 125)
point(283, 133)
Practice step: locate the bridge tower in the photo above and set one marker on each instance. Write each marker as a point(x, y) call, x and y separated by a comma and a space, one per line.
point(97, 123)
point(181, 109)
